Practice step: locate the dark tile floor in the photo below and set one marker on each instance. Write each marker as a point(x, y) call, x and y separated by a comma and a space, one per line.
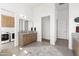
point(62, 43)
point(62, 46)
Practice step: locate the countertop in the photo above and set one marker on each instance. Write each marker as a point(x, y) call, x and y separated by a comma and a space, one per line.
point(75, 36)
point(27, 32)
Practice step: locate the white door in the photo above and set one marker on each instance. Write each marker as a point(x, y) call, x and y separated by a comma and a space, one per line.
point(62, 22)
point(46, 27)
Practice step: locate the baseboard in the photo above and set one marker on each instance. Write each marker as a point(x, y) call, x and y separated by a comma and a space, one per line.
point(52, 43)
point(43, 39)
point(62, 38)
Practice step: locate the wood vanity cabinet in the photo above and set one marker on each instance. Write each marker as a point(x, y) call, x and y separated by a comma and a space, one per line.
point(75, 46)
point(26, 38)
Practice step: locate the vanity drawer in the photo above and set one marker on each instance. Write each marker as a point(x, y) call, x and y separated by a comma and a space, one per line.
point(76, 47)
point(27, 38)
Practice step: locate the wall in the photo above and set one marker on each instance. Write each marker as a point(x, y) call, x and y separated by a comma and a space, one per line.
point(62, 21)
point(17, 9)
point(73, 13)
point(45, 27)
point(42, 11)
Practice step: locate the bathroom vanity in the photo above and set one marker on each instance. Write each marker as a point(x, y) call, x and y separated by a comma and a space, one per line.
point(75, 43)
point(27, 37)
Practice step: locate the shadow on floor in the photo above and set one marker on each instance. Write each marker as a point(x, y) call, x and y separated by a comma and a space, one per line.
point(62, 43)
point(59, 47)
point(62, 46)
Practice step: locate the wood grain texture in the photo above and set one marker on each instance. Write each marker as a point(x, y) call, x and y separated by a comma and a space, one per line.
point(7, 21)
point(76, 47)
point(27, 38)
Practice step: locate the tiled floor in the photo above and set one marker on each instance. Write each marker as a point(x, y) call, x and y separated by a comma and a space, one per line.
point(62, 42)
point(59, 50)
point(7, 45)
point(62, 45)
point(43, 49)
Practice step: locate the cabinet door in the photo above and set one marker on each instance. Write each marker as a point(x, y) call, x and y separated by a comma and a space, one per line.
point(11, 22)
point(27, 39)
point(7, 21)
point(34, 36)
point(3, 21)
point(76, 47)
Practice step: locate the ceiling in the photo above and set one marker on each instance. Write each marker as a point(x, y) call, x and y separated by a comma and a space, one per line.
point(33, 4)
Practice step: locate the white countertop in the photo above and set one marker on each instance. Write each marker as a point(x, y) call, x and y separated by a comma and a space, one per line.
point(27, 32)
point(75, 36)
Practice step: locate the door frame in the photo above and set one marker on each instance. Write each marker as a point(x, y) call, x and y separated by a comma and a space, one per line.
point(41, 27)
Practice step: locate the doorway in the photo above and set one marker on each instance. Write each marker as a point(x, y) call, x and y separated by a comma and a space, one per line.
point(45, 28)
point(62, 22)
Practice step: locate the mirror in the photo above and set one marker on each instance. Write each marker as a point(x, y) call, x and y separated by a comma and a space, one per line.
point(30, 25)
point(25, 25)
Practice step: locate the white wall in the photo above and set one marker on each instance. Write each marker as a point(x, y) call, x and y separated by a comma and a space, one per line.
point(41, 11)
point(17, 9)
point(45, 27)
point(62, 21)
point(30, 23)
point(73, 13)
